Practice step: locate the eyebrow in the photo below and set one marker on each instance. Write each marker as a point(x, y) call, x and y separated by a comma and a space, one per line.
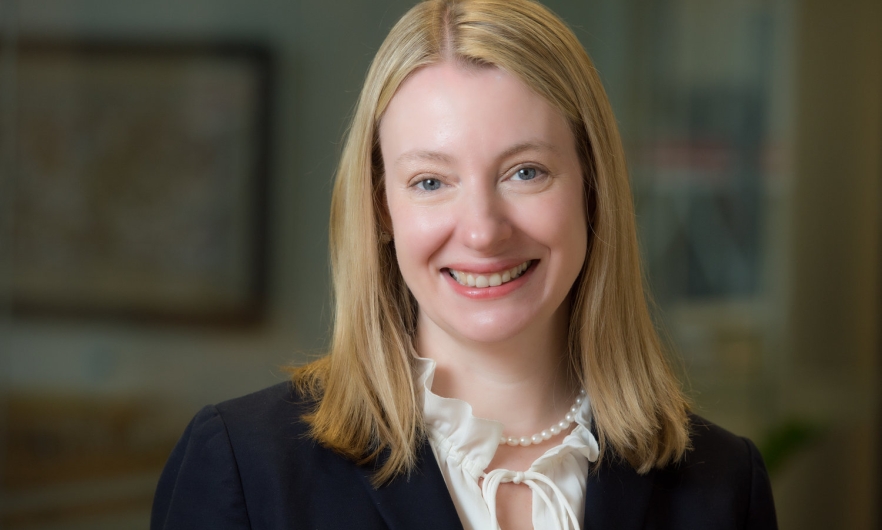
point(437, 156)
point(528, 146)
point(420, 154)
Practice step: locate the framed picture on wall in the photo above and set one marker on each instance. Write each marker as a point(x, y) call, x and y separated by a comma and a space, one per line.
point(140, 180)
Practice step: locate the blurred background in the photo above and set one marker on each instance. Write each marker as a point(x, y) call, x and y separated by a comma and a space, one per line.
point(165, 174)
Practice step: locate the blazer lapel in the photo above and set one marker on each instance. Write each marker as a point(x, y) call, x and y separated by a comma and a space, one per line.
point(616, 497)
point(420, 500)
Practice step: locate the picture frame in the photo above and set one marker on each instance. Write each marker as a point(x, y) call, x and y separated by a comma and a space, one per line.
point(140, 183)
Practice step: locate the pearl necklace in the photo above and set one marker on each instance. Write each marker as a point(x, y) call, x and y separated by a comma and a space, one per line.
point(547, 434)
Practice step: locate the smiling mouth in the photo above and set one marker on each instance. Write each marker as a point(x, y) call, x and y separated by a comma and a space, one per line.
point(489, 280)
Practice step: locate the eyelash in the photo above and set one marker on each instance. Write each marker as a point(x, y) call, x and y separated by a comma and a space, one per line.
point(539, 173)
point(418, 183)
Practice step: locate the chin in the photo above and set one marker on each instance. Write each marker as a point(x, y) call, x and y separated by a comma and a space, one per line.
point(495, 330)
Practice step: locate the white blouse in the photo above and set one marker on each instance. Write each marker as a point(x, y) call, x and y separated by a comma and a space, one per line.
point(464, 446)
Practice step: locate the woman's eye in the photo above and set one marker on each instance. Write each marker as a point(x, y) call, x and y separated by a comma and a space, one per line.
point(429, 184)
point(526, 173)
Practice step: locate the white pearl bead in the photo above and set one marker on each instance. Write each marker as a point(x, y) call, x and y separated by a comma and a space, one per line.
point(554, 430)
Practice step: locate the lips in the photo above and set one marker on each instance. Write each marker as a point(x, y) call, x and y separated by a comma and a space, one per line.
point(480, 281)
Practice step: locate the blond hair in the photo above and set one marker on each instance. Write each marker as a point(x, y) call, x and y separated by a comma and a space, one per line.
point(366, 400)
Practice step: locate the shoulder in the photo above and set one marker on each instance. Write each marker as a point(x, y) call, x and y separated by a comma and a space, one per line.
point(272, 445)
point(268, 434)
point(281, 396)
point(720, 483)
point(250, 463)
point(721, 475)
point(714, 452)
point(274, 413)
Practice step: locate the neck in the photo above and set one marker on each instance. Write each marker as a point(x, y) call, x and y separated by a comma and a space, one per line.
point(521, 382)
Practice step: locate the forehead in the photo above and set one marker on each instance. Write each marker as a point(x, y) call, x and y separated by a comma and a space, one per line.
point(454, 110)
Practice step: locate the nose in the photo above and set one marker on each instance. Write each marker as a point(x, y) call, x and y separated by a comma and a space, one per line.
point(483, 220)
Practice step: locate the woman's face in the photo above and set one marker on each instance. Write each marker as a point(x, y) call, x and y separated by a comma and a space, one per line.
point(485, 195)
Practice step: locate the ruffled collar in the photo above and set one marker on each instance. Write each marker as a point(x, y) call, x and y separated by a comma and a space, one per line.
point(471, 442)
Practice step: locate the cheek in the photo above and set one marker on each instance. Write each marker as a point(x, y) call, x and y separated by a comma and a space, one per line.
point(561, 223)
point(576, 223)
point(419, 233)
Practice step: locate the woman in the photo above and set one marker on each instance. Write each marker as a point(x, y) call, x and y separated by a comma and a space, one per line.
point(485, 266)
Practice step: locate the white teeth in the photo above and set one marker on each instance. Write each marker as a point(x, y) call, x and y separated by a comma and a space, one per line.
point(493, 280)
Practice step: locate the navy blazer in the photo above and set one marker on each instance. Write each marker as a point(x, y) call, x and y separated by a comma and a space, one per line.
point(249, 463)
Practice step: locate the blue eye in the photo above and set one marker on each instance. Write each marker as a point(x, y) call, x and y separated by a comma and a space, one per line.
point(526, 173)
point(429, 184)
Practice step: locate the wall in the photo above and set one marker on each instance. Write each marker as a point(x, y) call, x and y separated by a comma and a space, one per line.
point(817, 313)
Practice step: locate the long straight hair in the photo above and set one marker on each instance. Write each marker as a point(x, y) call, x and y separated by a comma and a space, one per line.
point(367, 405)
